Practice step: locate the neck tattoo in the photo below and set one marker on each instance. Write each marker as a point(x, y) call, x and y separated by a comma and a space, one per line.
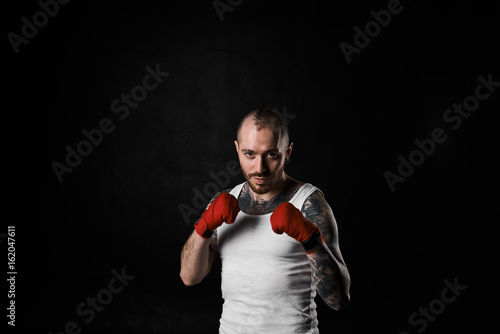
point(260, 206)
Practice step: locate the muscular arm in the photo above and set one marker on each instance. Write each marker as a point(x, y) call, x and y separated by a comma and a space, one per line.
point(198, 255)
point(330, 273)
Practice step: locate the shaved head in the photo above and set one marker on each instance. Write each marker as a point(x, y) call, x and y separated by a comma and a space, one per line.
point(263, 147)
point(266, 118)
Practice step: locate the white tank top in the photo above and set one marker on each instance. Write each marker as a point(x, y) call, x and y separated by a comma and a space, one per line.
point(267, 281)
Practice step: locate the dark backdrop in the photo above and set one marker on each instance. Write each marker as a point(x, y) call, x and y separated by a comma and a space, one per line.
point(119, 208)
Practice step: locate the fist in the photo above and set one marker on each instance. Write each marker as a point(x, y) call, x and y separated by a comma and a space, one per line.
point(287, 218)
point(224, 208)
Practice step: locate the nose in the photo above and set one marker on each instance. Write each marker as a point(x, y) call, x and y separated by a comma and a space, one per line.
point(260, 165)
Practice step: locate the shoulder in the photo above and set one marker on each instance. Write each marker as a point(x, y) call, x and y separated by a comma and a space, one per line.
point(217, 195)
point(314, 203)
point(317, 210)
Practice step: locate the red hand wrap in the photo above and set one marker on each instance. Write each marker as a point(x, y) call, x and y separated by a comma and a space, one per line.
point(287, 218)
point(224, 208)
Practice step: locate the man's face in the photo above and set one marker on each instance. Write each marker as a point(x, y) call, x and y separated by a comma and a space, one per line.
point(262, 161)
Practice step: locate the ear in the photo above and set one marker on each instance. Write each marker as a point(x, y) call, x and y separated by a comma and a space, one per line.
point(289, 151)
point(236, 145)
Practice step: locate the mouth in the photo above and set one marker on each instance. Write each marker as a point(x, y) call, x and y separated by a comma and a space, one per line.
point(260, 180)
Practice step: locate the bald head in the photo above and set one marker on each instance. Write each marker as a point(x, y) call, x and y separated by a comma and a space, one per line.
point(266, 118)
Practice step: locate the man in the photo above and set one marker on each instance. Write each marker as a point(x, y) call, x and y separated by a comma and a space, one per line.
point(276, 236)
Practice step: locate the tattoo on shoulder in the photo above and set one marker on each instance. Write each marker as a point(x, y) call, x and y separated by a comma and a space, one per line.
point(317, 210)
point(260, 207)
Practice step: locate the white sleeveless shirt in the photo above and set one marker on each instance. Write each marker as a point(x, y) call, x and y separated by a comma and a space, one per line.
point(267, 282)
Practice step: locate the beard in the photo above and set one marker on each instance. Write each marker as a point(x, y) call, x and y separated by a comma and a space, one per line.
point(271, 180)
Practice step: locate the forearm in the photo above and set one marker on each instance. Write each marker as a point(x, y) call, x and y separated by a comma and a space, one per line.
point(195, 259)
point(331, 277)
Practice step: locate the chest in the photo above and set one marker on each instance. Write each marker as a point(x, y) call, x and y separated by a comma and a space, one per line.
point(252, 236)
point(257, 261)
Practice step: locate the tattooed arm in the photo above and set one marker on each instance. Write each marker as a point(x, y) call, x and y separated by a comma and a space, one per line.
point(330, 273)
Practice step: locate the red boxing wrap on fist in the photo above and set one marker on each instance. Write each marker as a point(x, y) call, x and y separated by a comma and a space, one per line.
point(287, 218)
point(224, 208)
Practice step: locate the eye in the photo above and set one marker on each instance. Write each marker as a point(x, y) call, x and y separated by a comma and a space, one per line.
point(272, 155)
point(248, 154)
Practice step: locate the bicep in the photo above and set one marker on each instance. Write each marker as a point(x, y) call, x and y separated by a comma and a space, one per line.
point(319, 212)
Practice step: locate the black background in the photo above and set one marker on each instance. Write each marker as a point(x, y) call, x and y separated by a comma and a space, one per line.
point(120, 206)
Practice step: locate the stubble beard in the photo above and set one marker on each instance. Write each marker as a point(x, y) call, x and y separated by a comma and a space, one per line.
point(268, 186)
